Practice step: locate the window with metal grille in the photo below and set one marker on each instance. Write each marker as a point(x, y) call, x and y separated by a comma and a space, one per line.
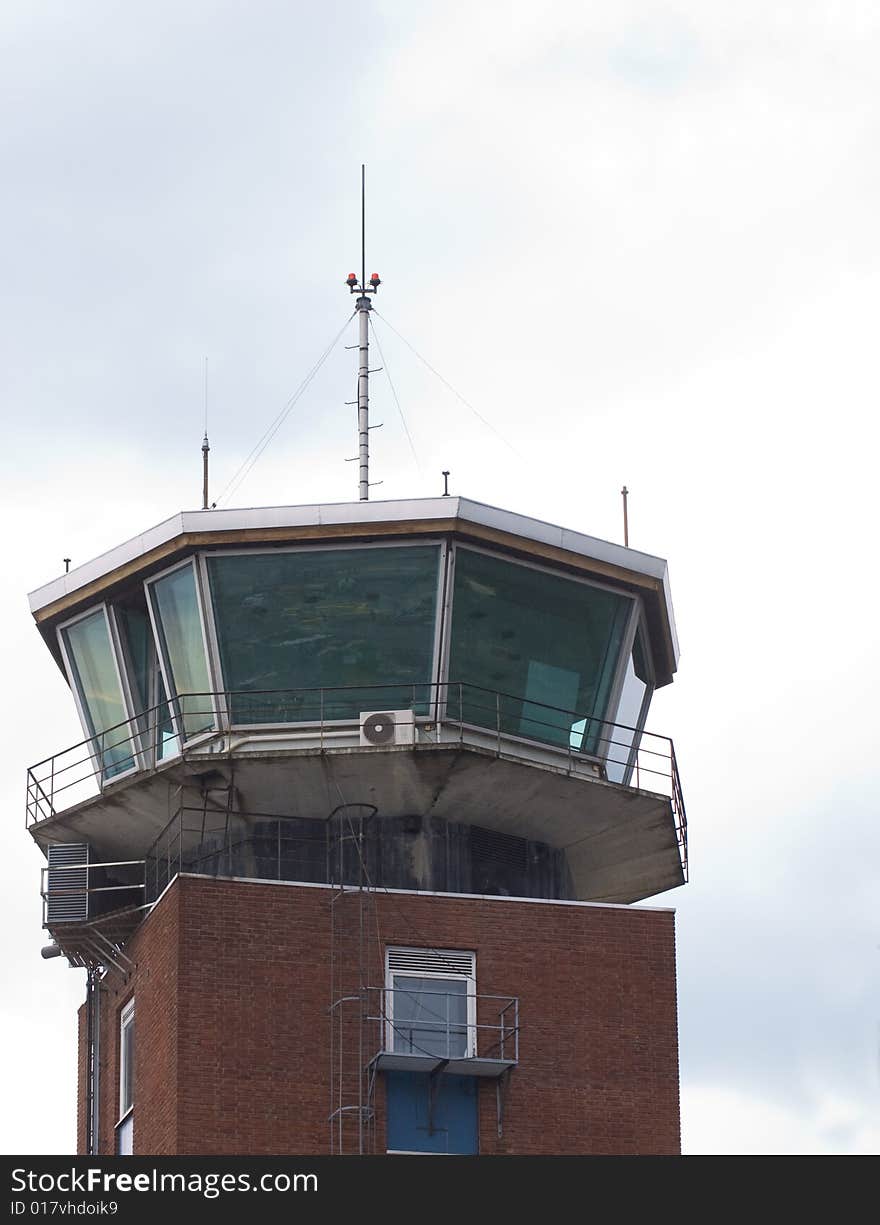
point(430, 1003)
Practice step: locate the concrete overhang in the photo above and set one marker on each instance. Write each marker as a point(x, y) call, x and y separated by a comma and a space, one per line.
point(621, 842)
point(519, 535)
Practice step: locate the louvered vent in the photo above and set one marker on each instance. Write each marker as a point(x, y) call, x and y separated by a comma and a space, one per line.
point(67, 883)
point(492, 846)
point(432, 963)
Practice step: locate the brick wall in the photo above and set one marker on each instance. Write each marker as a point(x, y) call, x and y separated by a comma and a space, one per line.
point(232, 988)
point(154, 984)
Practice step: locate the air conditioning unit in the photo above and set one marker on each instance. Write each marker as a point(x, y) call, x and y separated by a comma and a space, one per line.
point(382, 728)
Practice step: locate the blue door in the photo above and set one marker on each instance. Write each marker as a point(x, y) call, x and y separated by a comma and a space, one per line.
point(451, 1127)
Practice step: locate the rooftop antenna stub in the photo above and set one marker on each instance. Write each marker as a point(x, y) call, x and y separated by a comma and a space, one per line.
point(363, 306)
point(206, 447)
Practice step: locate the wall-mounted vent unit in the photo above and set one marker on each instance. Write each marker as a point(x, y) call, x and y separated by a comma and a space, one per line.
point(432, 963)
point(67, 883)
point(382, 728)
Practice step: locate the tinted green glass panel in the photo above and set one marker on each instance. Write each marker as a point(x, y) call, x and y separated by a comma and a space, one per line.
point(135, 627)
point(94, 674)
point(145, 678)
point(325, 619)
point(167, 741)
point(534, 652)
point(175, 602)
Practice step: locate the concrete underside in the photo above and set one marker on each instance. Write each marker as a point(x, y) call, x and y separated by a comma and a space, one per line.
point(620, 842)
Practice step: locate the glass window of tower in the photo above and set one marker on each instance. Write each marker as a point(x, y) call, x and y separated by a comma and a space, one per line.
point(176, 606)
point(145, 677)
point(93, 667)
point(325, 633)
point(533, 651)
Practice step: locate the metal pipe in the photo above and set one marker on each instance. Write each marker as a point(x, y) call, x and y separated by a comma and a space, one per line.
point(93, 1034)
point(205, 449)
point(89, 1066)
point(363, 396)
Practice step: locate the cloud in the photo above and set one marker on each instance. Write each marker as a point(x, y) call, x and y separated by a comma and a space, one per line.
point(722, 1119)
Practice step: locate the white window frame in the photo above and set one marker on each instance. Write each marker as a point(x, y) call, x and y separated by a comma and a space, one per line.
point(173, 697)
point(440, 973)
point(639, 627)
point(126, 1109)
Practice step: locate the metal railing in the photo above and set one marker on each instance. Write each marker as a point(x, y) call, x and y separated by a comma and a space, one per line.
point(446, 712)
point(206, 842)
point(435, 1034)
point(53, 890)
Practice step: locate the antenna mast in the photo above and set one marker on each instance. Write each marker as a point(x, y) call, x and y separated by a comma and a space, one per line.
point(205, 446)
point(363, 306)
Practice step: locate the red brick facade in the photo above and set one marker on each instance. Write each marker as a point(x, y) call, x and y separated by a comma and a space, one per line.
point(232, 987)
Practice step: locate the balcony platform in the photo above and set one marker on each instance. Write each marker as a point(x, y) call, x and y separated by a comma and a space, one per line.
point(98, 941)
point(622, 843)
point(486, 1069)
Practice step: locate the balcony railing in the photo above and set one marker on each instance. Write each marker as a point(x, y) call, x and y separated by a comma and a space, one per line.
point(486, 1043)
point(207, 842)
point(93, 888)
point(324, 719)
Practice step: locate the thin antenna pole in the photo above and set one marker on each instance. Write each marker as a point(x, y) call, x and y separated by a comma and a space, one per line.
point(363, 224)
point(205, 446)
point(363, 306)
point(625, 494)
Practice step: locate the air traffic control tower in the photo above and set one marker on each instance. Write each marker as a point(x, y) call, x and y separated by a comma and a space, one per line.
point(353, 848)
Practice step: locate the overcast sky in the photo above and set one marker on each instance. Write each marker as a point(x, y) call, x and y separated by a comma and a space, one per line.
point(641, 240)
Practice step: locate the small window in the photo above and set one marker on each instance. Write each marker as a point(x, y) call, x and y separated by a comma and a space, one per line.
point(125, 1127)
point(430, 1003)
